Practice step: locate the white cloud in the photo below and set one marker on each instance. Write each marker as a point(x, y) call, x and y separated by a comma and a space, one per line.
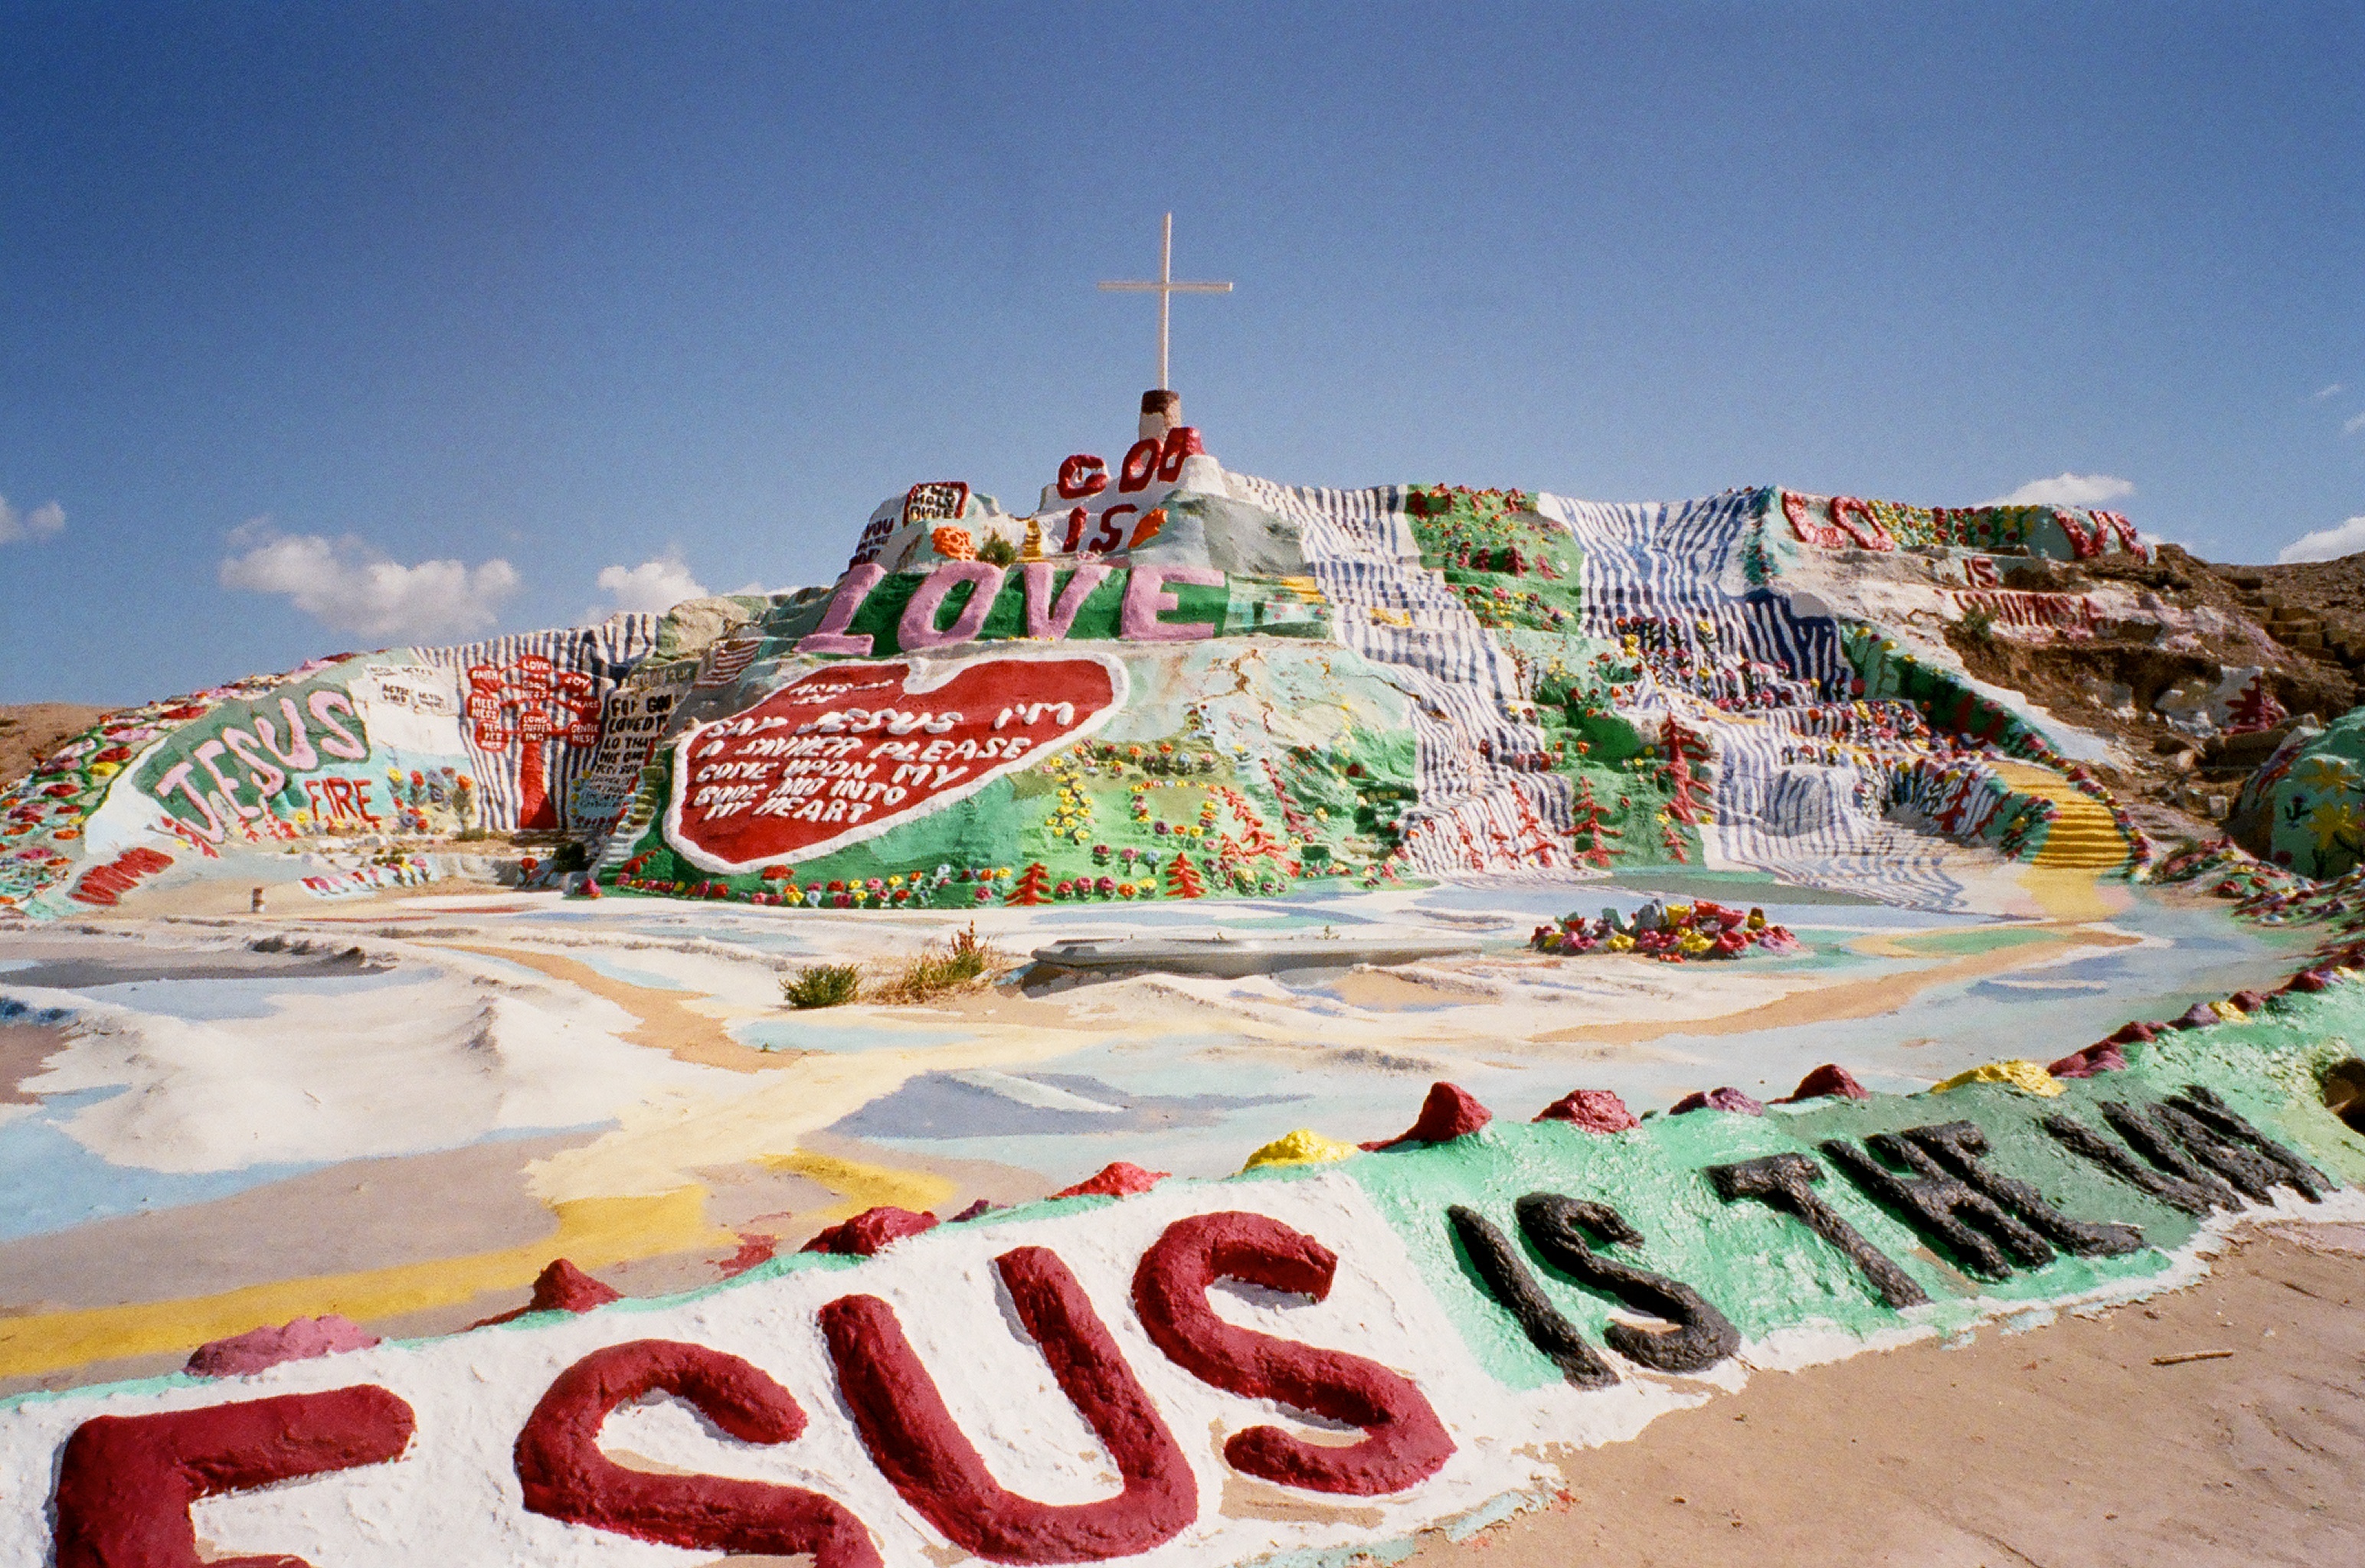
point(41, 522)
point(349, 587)
point(2354, 425)
point(2326, 543)
point(2332, 391)
point(2068, 490)
point(654, 587)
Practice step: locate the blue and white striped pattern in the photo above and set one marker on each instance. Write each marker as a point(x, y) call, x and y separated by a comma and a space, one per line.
point(1817, 822)
point(1660, 558)
point(1473, 814)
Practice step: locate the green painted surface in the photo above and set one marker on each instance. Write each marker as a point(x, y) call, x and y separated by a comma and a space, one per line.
point(1766, 1272)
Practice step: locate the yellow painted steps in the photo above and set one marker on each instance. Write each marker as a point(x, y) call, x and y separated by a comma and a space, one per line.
point(2083, 838)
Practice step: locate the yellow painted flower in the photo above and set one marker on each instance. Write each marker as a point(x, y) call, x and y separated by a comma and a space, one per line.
point(2330, 821)
point(2325, 775)
point(1620, 943)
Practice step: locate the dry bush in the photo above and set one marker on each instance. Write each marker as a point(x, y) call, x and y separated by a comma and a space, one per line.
point(965, 960)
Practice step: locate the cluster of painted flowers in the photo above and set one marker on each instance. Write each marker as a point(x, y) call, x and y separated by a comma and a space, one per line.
point(921, 888)
point(1071, 816)
point(48, 807)
point(1687, 654)
point(981, 884)
point(1106, 886)
point(1499, 608)
point(425, 790)
point(1673, 933)
point(1071, 808)
point(2266, 892)
point(1165, 757)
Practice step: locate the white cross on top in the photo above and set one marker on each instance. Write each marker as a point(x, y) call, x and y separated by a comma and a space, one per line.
point(1166, 288)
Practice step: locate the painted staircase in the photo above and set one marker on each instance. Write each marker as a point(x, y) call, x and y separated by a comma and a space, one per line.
point(2083, 838)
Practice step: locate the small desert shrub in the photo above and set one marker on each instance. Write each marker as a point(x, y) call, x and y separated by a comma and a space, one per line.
point(997, 550)
point(822, 985)
point(930, 975)
point(1978, 625)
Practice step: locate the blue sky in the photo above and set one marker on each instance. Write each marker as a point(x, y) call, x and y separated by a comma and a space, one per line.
point(329, 327)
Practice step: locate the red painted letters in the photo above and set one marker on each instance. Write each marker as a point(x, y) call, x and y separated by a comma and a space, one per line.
point(913, 1440)
point(1081, 476)
point(567, 1477)
point(1182, 442)
point(1141, 465)
point(1406, 1442)
point(126, 1481)
point(1111, 532)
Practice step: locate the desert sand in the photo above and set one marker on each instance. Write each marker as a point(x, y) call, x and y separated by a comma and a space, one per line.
point(2087, 1443)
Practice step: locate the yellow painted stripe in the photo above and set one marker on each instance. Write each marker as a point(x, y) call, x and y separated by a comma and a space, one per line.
point(866, 1186)
point(592, 1233)
point(2083, 836)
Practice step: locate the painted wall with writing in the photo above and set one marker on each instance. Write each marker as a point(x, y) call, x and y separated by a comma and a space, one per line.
point(301, 760)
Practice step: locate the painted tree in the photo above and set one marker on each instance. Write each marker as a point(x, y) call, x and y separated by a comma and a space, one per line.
point(1591, 835)
point(1182, 880)
point(2254, 709)
point(1034, 886)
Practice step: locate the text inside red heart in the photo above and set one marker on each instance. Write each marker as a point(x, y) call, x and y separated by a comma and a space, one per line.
point(845, 753)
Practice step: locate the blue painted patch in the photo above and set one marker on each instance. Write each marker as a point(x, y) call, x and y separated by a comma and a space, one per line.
point(54, 1183)
point(213, 1001)
point(816, 1032)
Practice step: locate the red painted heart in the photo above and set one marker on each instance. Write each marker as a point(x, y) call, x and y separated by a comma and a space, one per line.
point(848, 751)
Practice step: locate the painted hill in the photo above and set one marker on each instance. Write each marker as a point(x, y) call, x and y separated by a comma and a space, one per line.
point(1167, 679)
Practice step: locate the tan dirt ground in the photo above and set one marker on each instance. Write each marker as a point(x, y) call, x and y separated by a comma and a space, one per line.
point(28, 730)
point(23, 1048)
point(2065, 1447)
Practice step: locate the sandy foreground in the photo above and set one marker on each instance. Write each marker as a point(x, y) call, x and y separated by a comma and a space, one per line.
point(2069, 1444)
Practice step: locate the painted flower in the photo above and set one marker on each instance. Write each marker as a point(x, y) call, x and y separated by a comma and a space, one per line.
point(2326, 776)
point(2332, 821)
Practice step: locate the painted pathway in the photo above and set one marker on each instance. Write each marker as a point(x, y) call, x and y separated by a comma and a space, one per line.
point(622, 1077)
point(1195, 1332)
